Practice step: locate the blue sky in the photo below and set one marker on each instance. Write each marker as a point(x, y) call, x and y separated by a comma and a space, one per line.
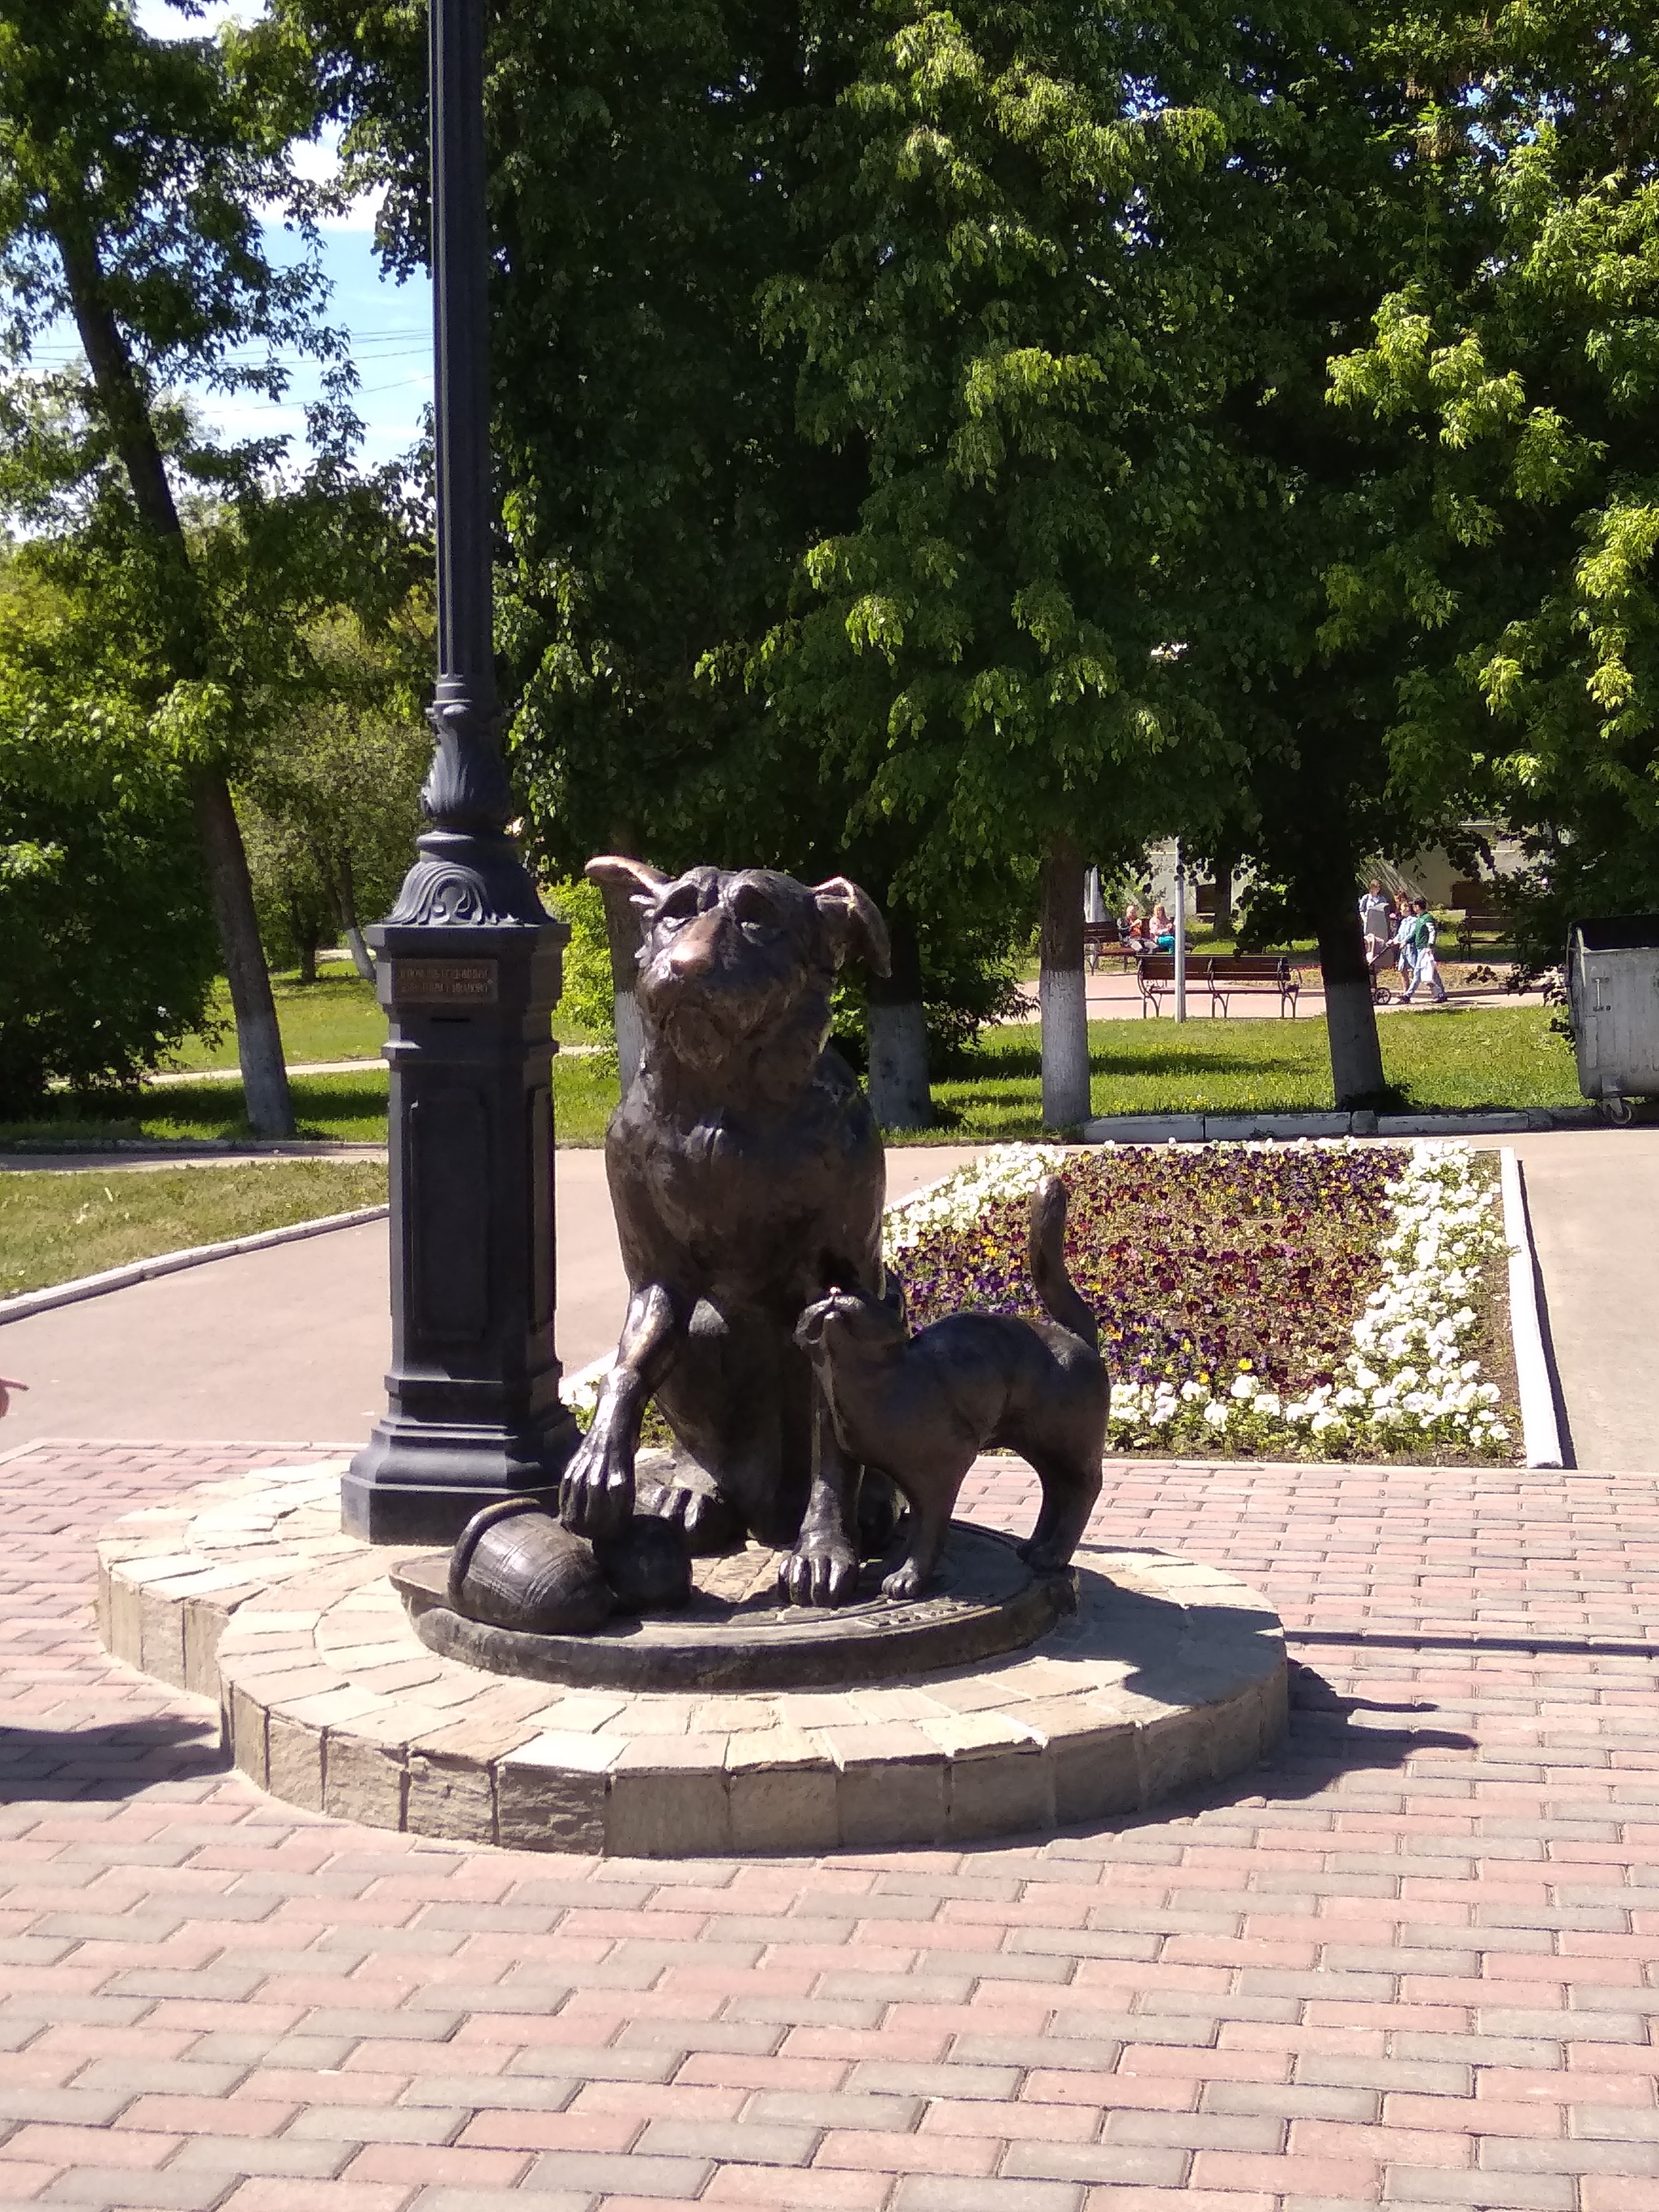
point(390, 324)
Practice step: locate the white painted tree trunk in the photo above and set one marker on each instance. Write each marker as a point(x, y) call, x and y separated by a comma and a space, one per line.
point(1356, 1059)
point(630, 1038)
point(1060, 987)
point(1065, 1048)
point(899, 1097)
point(362, 958)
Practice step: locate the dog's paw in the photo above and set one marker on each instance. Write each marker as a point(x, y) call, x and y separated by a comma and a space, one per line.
point(596, 1497)
point(822, 1570)
point(904, 1582)
point(711, 1524)
point(1035, 1555)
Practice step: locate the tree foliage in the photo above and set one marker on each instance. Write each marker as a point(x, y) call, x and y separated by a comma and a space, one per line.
point(135, 177)
point(331, 801)
point(109, 952)
point(1510, 395)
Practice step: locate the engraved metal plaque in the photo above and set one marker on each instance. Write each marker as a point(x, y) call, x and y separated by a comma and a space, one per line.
point(444, 982)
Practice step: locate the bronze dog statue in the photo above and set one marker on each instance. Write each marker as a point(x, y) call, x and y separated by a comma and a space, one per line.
point(746, 1172)
point(921, 1408)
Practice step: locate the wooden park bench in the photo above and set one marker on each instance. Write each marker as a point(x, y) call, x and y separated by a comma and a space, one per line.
point(1477, 913)
point(1223, 977)
point(1231, 972)
point(1102, 940)
point(1155, 972)
point(1485, 922)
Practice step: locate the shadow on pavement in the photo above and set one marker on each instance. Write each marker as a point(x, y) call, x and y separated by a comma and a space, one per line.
point(106, 1764)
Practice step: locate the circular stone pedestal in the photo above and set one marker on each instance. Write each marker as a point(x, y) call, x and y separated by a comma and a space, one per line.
point(1167, 1675)
point(736, 1634)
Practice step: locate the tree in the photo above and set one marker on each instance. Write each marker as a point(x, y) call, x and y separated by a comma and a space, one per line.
point(1509, 396)
point(658, 488)
point(133, 177)
point(1006, 319)
point(109, 943)
point(330, 802)
point(1322, 203)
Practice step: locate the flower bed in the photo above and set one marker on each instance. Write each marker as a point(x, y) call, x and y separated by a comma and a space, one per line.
point(1332, 1299)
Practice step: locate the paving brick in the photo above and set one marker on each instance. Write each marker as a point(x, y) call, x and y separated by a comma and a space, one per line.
point(122, 2148)
point(834, 2109)
point(414, 2165)
point(871, 2150)
point(814, 2191)
point(1196, 2130)
point(941, 2193)
point(112, 2188)
point(679, 2178)
point(752, 2141)
point(1119, 2164)
point(876, 2076)
point(264, 2195)
point(36, 2101)
point(400, 2123)
point(1481, 2192)
point(446, 2196)
point(230, 2155)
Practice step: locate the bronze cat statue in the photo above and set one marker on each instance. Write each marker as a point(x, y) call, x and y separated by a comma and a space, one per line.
point(921, 1408)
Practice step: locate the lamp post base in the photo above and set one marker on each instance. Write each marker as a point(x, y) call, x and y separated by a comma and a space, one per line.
point(421, 1482)
point(474, 1411)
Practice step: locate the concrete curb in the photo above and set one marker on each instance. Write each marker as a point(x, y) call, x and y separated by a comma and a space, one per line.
point(26, 1152)
point(170, 1263)
point(1540, 1433)
point(1210, 1128)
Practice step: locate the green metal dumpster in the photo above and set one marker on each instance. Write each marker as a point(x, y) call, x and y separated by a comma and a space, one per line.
point(1612, 991)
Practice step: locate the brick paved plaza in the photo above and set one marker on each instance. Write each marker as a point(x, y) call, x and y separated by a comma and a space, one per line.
point(1411, 1961)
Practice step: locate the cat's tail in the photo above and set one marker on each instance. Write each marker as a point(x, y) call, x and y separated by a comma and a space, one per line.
point(1048, 1256)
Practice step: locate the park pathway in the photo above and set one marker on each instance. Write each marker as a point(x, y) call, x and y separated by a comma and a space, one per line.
point(1409, 1962)
point(293, 1341)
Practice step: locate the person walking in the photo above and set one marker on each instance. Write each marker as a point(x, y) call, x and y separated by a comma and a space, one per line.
point(1405, 947)
point(1428, 966)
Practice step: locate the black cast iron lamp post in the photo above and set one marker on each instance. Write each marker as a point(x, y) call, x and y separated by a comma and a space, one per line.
point(469, 972)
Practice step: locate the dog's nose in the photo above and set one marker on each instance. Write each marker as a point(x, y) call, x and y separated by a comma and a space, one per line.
point(694, 949)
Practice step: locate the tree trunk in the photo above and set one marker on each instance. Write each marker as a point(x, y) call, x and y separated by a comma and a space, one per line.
point(305, 943)
point(361, 959)
point(1350, 1012)
point(1060, 987)
point(899, 1095)
point(1226, 867)
point(349, 927)
point(126, 415)
point(626, 934)
point(258, 1040)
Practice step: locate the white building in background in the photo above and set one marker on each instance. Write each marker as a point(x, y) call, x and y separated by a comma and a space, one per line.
point(1430, 875)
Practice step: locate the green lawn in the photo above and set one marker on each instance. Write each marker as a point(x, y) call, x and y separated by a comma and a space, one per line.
point(348, 1109)
point(1502, 1056)
point(335, 1018)
point(54, 1227)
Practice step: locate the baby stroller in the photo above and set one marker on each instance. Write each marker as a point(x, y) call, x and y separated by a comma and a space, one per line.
point(1377, 950)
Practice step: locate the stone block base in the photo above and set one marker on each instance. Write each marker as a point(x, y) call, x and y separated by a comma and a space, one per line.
point(1170, 1674)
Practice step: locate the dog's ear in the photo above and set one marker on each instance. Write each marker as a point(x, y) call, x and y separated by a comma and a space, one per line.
point(855, 920)
point(617, 868)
